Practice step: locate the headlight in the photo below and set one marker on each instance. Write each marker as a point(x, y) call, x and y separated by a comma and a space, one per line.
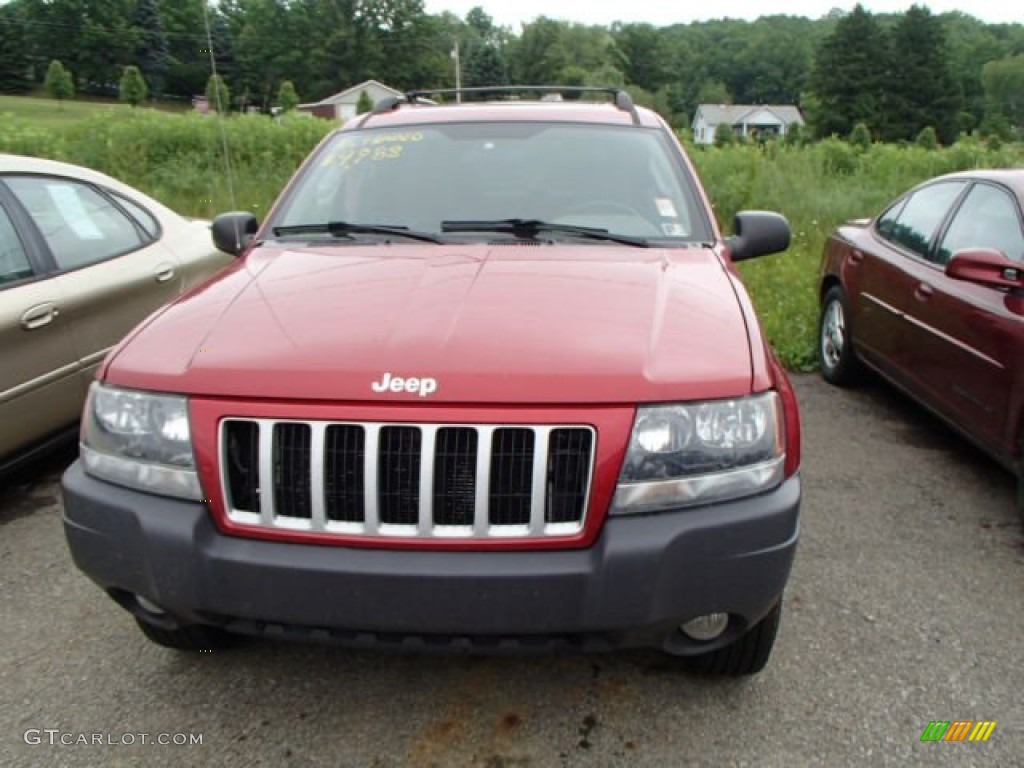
point(694, 453)
point(140, 440)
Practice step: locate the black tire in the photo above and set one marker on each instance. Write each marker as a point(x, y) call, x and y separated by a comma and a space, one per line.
point(1020, 493)
point(192, 638)
point(747, 655)
point(838, 361)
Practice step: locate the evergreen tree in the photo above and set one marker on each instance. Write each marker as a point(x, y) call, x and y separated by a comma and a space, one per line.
point(849, 76)
point(365, 104)
point(287, 98)
point(921, 90)
point(217, 94)
point(484, 64)
point(152, 50)
point(1004, 94)
point(133, 86)
point(14, 58)
point(59, 82)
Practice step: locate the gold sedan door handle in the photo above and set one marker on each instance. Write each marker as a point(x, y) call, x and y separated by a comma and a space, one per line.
point(39, 315)
point(163, 273)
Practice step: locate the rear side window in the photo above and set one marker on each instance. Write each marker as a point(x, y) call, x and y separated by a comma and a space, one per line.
point(80, 225)
point(14, 263)
point(142, 217)
point(916, 225)
point(988, 218)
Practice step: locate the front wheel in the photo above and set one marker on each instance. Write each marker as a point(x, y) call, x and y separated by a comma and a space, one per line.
point(838, 361)
point(197, 637)
point(748, 654)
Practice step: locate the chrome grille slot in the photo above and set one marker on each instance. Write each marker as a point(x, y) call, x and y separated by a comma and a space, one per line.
point(568, 474)
point(398, 475)
point(511, 477)
point(343, 473)
point(409, 480)
point(455, 476)
point(292, 492)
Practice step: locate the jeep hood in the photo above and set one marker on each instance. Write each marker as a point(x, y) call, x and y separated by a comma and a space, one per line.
point(490, 324)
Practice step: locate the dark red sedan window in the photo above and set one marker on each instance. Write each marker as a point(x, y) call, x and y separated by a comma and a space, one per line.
point(918, 222)
point(988, 218)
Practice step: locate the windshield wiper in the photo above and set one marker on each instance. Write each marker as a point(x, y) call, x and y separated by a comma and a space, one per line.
point(530, 228)
point(346, 228)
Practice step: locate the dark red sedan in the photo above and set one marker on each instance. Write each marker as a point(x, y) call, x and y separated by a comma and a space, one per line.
point(930, 294)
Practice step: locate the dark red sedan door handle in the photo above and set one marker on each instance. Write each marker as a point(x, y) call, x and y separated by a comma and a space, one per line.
point(924, 291)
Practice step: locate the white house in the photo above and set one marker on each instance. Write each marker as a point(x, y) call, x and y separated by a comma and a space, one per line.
point(342, 106)
point(752, 120)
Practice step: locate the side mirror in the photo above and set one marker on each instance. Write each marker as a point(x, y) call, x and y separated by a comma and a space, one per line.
point(232, 232)
point(758, 233)
point(986, 266)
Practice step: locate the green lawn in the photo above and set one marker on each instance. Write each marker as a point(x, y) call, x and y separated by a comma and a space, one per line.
point(48, 112)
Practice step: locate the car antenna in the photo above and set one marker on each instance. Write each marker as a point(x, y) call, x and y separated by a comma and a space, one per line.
point(220, 120)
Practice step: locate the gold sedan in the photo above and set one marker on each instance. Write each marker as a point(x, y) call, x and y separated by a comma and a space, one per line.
point(83, 259)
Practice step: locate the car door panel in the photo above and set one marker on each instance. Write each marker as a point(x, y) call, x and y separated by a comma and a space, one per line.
point(970, 345)
point(106, 300)
point(900, 281)
point(111, 273)
point(39, 390)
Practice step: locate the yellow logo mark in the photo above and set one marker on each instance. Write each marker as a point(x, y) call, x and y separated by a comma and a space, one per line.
point(982, 731)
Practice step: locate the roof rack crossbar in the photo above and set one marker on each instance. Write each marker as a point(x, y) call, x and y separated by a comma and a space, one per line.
point(621, 98)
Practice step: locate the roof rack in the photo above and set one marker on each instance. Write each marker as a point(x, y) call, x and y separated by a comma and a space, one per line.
point(620, 97)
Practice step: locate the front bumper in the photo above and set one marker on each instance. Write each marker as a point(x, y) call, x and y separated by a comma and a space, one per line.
point(641, 579)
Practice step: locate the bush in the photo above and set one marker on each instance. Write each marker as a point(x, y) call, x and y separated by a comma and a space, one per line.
point(133, 86)
point(927, 139)
point(860, 136)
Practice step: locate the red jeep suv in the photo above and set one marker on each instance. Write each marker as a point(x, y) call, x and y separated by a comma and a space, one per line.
point(485, 378)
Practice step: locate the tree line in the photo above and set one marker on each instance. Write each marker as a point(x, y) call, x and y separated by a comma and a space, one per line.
point(895, 74)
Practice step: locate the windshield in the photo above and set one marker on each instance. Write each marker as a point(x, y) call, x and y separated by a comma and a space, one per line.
point(623, 179)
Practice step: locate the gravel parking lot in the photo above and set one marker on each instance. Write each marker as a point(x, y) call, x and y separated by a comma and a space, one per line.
point(905, 607)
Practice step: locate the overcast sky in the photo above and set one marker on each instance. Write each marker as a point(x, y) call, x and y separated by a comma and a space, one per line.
point(664, 12)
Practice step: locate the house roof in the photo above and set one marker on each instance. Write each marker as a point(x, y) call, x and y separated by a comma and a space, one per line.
point(732, 114)
point(355, 90)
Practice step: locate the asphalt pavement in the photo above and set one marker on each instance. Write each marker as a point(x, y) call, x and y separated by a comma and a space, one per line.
point(905, 607)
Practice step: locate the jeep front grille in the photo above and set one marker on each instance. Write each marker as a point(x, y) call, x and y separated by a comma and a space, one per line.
point(426, 480)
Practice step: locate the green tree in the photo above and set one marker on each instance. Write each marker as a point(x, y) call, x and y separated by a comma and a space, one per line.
point(152, 50)
point(14, 57)
point(860, 136)
point(287, 98)
point(921, 91)
point(133, 86)
point(59, 82)
point(849, 76)
point(484, 64)
point(927, 138)
point(217, 94)
point(1003, 81)
point(724, 135)
point(188, 63)
point(365, 104)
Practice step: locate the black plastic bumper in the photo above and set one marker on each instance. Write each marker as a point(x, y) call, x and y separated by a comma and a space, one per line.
point(640, 580)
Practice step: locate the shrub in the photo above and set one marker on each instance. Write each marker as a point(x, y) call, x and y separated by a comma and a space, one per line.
point(133, 87)
point(860, 136)
point(59, 83)
point(927, 139)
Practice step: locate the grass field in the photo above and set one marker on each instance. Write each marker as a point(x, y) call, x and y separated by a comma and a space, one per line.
point(179, 159)
point(41, 110)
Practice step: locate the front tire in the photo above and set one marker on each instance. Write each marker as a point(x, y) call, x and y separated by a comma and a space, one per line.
point(838, 361)
point(748, 654)
point(197, 637)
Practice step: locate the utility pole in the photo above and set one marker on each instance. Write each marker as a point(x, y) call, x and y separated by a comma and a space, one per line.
point(458, 73)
